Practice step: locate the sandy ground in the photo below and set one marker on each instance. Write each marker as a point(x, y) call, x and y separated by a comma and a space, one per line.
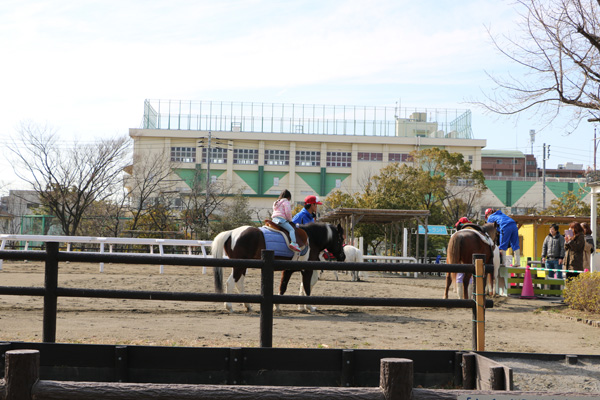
point(513, 325)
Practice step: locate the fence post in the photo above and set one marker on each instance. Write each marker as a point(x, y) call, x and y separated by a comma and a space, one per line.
point(266, 304)
point(50, 297)
point(396, 378)
point(468, 371)
point(479, 261)
point(347, 368)
point(22, 371)
point(121, 364)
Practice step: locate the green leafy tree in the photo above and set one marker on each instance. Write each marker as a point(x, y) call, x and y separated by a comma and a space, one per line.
point(568, 203)
point(436, 180)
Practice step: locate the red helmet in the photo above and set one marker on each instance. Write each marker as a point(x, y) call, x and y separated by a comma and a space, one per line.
point(488, 211)
point(463, 220)
point(312, 200)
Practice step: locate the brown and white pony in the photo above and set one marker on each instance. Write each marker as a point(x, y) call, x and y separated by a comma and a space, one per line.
point(247, 242)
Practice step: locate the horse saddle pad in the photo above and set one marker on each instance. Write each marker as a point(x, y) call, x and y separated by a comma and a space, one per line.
point(277, 242)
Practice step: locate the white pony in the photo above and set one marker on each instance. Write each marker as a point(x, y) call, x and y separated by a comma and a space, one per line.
point(353, 254)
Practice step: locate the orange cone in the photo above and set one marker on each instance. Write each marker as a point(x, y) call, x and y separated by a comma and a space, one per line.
point(527, 292)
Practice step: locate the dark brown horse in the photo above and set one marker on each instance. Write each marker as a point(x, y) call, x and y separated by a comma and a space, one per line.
point(466, 242)
point(247, 242)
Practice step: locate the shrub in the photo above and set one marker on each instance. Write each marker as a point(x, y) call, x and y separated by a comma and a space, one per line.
point(583, 292)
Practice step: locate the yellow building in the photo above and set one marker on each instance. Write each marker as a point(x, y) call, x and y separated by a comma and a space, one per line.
point(533, 229)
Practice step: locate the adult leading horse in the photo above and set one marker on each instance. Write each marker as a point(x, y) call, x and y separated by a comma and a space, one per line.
point(472, 239)
point(247, 242)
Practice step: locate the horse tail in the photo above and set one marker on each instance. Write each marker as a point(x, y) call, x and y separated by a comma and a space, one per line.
point(216, 250)
point(453, 251)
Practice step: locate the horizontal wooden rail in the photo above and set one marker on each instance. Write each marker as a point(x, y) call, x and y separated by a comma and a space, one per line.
point(51, 291)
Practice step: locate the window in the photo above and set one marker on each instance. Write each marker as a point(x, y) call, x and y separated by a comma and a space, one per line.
point(245, 156)
point(370, 156)
point(277, 157)
point(338, 183)
point(217, 155)
point(339, 159)
point(470, 159)
point(498, 173)
point(515, 161)
point(183, 154)
point(498, 161)
point(308, 158)
point(530, 162)
point(399, 157)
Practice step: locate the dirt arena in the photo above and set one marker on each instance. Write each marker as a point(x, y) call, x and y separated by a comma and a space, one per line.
point(513, 325)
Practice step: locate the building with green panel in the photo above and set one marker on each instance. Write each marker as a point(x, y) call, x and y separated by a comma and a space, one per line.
point(261, 149)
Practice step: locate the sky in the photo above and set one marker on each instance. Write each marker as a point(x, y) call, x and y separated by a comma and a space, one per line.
point(85, 67)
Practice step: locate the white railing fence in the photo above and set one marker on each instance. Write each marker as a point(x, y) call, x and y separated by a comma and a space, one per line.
point(187, 245)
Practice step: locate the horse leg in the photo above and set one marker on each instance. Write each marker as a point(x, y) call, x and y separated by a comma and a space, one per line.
point(449, 279)
point(240, 287)
point(285, 278)
point(466, 282)
point(229, 286)
point(309, 279)
point(232, 282)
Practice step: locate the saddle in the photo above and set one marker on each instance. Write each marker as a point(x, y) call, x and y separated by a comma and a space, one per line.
point(474, 227)
point(301, 236)
point(481, 233)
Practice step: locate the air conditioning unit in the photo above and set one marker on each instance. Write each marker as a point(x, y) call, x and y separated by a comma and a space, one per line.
point(419, 116)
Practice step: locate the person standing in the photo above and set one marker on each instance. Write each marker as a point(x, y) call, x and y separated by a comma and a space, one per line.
point(309, 212)
point(509, 233)
point(282, 214)
point(553, 251)
point(589, 245)
point(574, 247)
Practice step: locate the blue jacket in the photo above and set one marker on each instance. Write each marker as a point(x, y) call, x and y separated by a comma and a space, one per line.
point(502, 219)
point(303, 217)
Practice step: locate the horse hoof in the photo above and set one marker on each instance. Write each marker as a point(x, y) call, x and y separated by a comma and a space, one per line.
point(248, 308)
point(229, 307)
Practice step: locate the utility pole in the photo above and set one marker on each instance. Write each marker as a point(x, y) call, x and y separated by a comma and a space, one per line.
point(595, 148)
point(546, 155)
point(531, 139)
point(208, 155)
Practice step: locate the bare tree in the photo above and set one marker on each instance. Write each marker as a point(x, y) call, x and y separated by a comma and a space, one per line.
point(68, 180)
point(201, 204)
point(559, 49)
point(148, 177)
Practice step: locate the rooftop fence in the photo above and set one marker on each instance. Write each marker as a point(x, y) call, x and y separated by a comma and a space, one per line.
point(307, 119)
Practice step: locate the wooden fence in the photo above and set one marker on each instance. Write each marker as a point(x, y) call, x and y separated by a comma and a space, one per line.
point(52, 256)
point(22, 382)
